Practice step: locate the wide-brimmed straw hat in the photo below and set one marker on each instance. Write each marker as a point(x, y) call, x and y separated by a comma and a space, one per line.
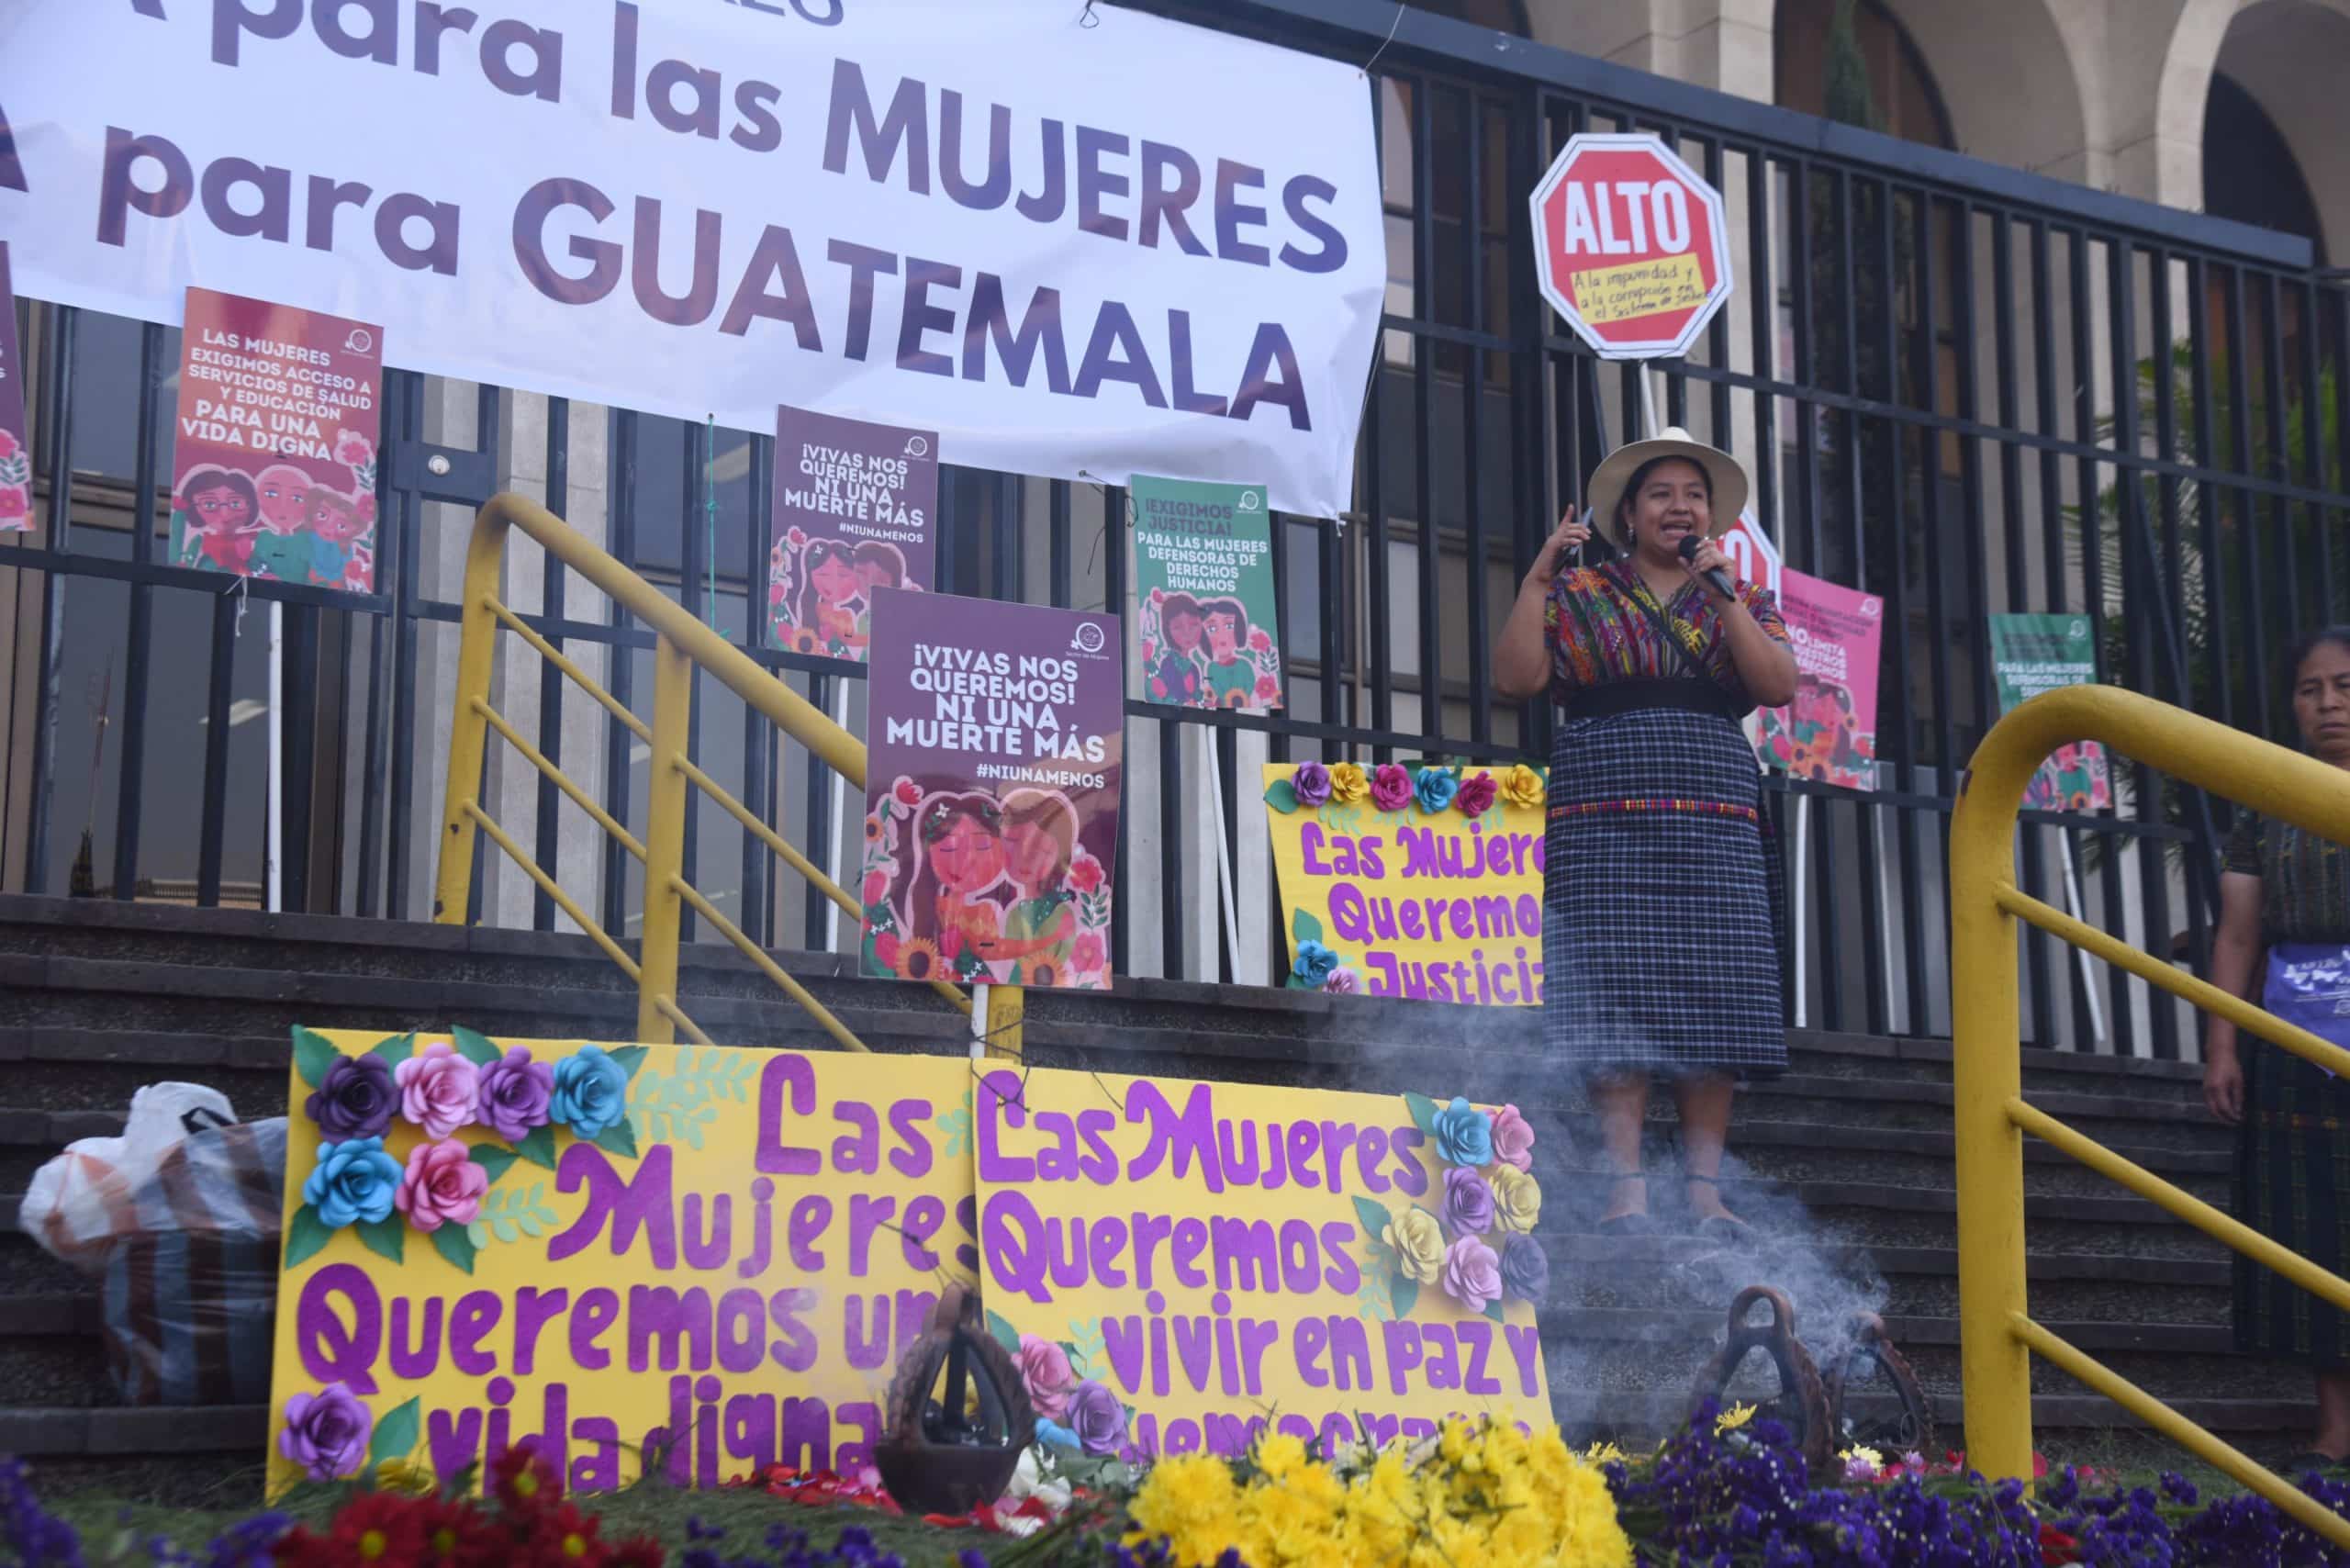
point(1725, 471)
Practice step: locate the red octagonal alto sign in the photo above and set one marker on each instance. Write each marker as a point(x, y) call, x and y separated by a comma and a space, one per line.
point(1630, 246)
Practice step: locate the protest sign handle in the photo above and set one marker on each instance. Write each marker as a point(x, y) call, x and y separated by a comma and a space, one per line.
point(2088, 970)
point(275, 789)
point(978, 1020)
point(840, 793)
point(1649, 426)
point(1223, 872)
point(1803, 828)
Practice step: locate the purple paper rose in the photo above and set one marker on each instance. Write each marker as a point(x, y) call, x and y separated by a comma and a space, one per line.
point(1310, 783)
point(514, 1094)
point(1097, 1418)
point(326, 1433)
point(1468, 1202)
point(1473, 1274)
point(355, 1100)
point(1525, 1269)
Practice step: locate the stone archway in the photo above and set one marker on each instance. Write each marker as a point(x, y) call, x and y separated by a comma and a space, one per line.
point(2008, 72)
point(2276, 52)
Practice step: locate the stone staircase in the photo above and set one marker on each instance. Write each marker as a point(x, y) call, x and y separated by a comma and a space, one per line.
point(1845, 1164)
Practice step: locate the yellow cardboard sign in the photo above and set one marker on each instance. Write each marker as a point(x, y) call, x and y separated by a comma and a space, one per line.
point(723, 1271)
point(1422, 898)
point(1180, 1265)
point(1633, 289)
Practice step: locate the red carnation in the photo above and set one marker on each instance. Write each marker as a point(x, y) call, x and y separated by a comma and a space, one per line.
point(908, 792)
point(1085, 875)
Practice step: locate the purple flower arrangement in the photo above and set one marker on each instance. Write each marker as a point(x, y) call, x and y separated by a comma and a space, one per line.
point(1477, 1243)
point(434, 1186)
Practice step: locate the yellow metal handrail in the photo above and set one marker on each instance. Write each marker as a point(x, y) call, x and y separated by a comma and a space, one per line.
point(1997, 1337)
point(680, 644)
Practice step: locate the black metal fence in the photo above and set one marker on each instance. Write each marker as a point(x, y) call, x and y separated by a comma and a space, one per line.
point(1964, 389)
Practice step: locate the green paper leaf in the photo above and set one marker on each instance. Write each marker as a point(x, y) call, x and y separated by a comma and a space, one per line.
point(1423, 1111)
point(493, 1159)
point(1304, 927)
point(539, 1148)
point(1373, 1218)
point(473, 1047)
point(1005, 1334)
point(1493, 1310)
point(1405, 1294)
point(631, 1057)
point(313, 1054)
point(1282, 795)
point(387, 1236)
point(396, 1051)
point(478, 1234)
point(395, 1433)
point(305, 1236)
point(452, 1242)
point(619, 1138)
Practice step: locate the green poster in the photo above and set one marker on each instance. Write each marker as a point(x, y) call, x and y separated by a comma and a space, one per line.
point(2032, 654)
point(1205, 629)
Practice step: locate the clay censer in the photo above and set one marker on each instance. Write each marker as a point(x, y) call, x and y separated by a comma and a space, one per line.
point(949, 1453)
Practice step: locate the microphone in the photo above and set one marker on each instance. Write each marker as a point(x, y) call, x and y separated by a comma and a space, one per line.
point(1715, 577)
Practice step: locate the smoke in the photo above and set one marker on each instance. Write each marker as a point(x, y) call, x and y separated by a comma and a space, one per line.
point(1633, 1322)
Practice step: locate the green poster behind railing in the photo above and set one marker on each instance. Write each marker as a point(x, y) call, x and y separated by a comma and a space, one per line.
point(1206, 627)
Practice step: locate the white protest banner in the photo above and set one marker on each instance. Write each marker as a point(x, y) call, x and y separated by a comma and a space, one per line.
point(1063, 237)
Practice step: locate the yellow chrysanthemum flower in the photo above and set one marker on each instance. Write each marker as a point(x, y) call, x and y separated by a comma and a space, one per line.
point(1731, 1420)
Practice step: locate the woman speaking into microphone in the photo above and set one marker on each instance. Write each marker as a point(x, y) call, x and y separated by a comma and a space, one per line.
point(1661, 895)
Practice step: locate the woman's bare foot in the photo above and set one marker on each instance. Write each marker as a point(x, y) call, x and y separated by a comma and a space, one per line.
point(1628, 1206)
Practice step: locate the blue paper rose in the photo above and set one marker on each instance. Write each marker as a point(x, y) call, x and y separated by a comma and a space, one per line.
point(353, 1183)
point(1464, 1135)
point(590, 1092)
point(1314, 965)
point(1434, 788)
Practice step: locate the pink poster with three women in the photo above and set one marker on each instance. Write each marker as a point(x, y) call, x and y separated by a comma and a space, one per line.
point(274, 464)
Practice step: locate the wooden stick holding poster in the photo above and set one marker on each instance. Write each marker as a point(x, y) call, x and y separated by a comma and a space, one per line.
point(280, 418)
point(996, 737)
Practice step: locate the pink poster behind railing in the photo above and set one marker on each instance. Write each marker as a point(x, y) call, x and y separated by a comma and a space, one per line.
point(16, 458)
point(1829, 731)
point(274, 467)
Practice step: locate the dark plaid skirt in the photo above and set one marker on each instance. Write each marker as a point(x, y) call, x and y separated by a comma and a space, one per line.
point(1662, 901)
point(2293, 1184)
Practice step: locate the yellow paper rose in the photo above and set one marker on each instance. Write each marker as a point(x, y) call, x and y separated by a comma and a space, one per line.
point(1522, 787)
point(1418, 1241)
point(1348, 782)
point(1517, 1197)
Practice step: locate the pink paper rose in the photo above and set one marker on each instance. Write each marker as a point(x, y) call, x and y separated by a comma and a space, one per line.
point(442, 1185)
point(1473, 1274)
point(1343, 982)
point(1044, 1367)
point(1390, 787)
point(1513, 1138)
point(438, 1089)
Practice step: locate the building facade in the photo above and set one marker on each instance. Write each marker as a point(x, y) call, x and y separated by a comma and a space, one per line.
point(2033, 314)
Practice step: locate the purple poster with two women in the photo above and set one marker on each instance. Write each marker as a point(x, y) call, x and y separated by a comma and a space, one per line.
point(855, 510)
point(16, 458)
point(994, 746)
